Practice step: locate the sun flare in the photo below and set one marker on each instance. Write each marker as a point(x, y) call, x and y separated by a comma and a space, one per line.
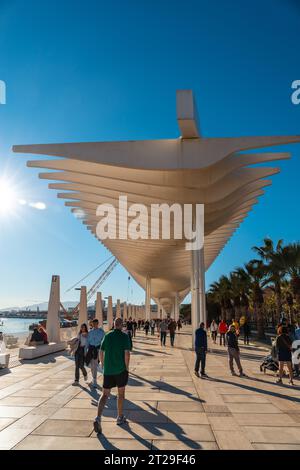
point(8, 197)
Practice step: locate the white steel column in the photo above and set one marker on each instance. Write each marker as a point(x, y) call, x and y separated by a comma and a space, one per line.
point(124, 311)
point(148, 299)
point(83, 314)
point(99, 310)
point(198, 301)
point(118, 309)
point(176, 308)
point(110, 318)
point(53, 323)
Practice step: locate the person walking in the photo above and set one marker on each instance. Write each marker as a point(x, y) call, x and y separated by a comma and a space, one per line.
point(80, 350)
point(163, 328)
point(152, 326)
point(247, 330)
point(234, 351)
point(93, 344)
point(284, 348)
point(214, 331)
point(179, 324)
point(223, 328)
point(236, 325)
point(146, 327)
point(129, 328)
point(114, 358)
point(172, 329)
point(134, 327)
point(201, 350)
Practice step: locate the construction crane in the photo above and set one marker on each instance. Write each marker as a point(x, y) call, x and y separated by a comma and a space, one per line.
point(102, 278)
point(94, 287)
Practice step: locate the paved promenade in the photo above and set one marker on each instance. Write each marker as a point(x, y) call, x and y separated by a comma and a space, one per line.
point(167, 406)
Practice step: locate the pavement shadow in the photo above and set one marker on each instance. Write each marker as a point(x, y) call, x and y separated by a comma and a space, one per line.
point(260, 390)
point(168, 388)
point(162, 424)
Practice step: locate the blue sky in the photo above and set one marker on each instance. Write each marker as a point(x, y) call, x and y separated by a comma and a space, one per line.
point(93, 70)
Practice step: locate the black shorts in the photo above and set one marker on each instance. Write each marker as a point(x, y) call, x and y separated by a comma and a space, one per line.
point(119, 380)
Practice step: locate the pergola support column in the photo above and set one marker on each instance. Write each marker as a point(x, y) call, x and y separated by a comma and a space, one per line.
point(53, 323)
point(99, 310)
point(148, 299)
point(83, 313)
point(198, 303)
point(110, 318)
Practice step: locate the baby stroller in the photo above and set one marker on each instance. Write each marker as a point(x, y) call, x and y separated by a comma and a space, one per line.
point(270, 362)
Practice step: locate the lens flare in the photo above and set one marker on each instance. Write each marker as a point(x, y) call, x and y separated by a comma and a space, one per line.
point(8, 197)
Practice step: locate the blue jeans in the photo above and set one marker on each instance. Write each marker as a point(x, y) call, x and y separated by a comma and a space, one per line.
point(200, 359)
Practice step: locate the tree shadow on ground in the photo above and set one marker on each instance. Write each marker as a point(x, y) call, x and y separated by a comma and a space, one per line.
point(259, 390)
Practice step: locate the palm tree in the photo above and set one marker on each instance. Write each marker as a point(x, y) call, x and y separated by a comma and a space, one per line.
point(289, 262)
point(275, 272)
point(242, 280)
point(221, 292)
point(255, 273)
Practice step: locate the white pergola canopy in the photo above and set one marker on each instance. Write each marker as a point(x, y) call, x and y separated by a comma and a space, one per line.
point(190, 169)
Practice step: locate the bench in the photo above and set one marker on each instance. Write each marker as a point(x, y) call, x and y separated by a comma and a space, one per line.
point(4, 360)
point(32, 352)
point(11, 341)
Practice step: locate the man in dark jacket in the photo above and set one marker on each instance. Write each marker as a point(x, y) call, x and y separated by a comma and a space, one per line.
point(201, 350)
point(234, 351)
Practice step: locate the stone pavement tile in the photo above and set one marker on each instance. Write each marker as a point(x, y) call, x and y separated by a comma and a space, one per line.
point(112, 403)
point(175, 374)
point(22, 401)
point(269, 434)
point(168, 388)
point(180, 406)
point(215, 408)
point(161, 396)
point(260, 419)
point(147, 417)
point(58, 427)
point(232, 440)
point(14, 412)
point(168, 431)
point(144, 396)
point(252, 408)
point(182, 445)
point(276, 446)
point(4, 422)
point(17, 431)
point(33, 442)
point(294, 416)
point(245, 399)
point(286, 404)
point(10, 437)
point(34, 393)
point(223, 423)
point(48, 386)
point(185, 417)
point(82, 414)
point(87, 403)
point(175, 383)
point(232, 390)
point(44, 410)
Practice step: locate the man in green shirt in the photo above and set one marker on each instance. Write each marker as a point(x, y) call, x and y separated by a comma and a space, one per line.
point(114, 358)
